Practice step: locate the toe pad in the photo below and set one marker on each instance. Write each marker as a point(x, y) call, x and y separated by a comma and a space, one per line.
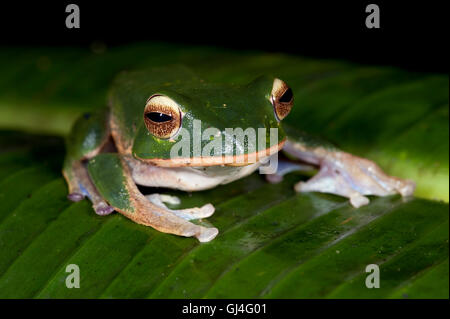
point(75, 197)
point(103, 209)
point(207, 234)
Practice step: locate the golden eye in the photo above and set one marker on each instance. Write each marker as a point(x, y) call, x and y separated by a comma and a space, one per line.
point(282, 99)
point(162, 116)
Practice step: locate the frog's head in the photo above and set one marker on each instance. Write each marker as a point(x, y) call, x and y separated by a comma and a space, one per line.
point(188, 122)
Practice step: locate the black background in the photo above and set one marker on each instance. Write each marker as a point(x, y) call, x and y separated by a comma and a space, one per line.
point(412, 35)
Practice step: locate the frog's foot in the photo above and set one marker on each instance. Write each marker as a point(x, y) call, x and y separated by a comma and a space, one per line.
point(152, 211)
point(120, 191)
point(284, 167)
point(188, 213)
point(350, 176)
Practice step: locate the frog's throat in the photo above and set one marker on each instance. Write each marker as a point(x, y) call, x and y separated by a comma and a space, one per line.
point(229, 160)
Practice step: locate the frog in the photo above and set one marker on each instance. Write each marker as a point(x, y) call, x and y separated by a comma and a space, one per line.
point(114, 151)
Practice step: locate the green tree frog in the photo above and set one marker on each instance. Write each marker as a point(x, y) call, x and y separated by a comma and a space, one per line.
point(129, 143)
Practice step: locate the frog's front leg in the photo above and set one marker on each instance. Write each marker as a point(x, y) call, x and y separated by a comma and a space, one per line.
point(345, 174)
point(80, 185)
point(112, 178)
point(89, 136)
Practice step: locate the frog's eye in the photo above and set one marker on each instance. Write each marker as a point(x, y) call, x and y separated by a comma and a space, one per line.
point(282, 99)
point(162, 116)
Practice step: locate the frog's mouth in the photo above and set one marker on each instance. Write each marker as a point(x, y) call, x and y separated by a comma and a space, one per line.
point(228, 160)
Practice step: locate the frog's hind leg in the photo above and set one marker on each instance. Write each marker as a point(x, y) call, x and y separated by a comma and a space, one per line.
point(89, 136)
point(111, 176)
point(187, 213)
point(346, 175)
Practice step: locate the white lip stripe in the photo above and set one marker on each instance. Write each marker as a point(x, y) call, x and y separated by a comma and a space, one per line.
point(212, 160)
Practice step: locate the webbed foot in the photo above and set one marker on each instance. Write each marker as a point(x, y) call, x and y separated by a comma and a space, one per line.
point(354, 177)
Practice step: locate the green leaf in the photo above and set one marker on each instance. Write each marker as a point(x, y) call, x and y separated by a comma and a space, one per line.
point(273, 243)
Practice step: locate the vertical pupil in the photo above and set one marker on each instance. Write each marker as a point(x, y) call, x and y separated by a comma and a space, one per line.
point(158, 117)
point(287, 96)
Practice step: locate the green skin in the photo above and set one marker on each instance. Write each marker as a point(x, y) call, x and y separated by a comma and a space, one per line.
point(111, 151)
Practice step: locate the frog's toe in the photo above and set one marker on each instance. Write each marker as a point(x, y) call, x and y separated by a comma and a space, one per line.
point(206, 234)
point(195, 212)
point(161, 199)
point(75, 197)
point(187, 213)
point(406, 187)
point(103, 209)
point(302, 187)
point(204, 211)
point(168, 199)
point(274, 178)
point(357, 200)
point(285, 167)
